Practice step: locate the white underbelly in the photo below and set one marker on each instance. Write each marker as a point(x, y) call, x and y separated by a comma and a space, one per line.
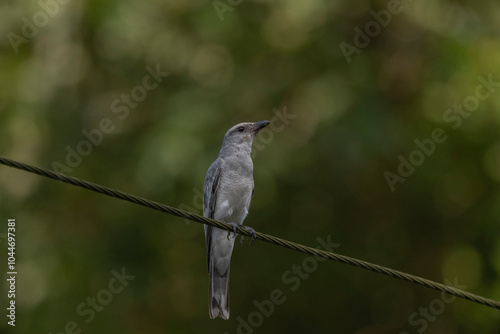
point(233, 202)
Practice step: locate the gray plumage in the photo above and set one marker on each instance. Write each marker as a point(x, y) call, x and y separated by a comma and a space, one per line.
point(227, 195)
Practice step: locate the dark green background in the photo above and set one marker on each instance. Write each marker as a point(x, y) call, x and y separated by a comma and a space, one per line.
point(320, 175)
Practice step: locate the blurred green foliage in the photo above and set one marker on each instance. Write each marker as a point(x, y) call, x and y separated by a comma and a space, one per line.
point(321, 175)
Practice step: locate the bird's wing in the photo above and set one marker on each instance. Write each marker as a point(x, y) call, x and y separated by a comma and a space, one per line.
point(210, 189)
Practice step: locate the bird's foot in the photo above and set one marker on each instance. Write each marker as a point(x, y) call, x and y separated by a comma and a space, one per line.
point(252, 233)
point(236, 228)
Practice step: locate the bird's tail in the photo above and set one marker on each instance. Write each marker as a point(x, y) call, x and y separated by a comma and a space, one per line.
point(218, 293)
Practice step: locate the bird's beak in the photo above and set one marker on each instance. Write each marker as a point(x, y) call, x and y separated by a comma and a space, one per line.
point(259, 126)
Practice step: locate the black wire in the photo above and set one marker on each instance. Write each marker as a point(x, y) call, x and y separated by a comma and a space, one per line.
point(260, 236)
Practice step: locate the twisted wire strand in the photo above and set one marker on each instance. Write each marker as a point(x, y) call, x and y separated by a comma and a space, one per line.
point(258, 235)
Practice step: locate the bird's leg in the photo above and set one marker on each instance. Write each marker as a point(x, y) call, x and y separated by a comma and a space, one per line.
point(236, 228)
point(252, 233)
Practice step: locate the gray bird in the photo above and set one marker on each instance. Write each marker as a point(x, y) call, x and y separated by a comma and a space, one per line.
point(227, 194)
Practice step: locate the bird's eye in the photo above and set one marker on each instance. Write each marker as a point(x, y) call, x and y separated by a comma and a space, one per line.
point(241, 129)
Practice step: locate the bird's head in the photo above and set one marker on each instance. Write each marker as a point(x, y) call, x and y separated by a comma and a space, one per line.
point(241, 135)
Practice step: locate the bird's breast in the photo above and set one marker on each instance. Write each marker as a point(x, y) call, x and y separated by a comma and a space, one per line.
point(234, 196)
